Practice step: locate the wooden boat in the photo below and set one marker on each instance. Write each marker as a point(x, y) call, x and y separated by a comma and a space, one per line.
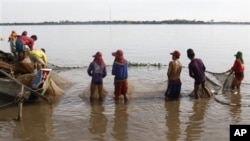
point(34, 85)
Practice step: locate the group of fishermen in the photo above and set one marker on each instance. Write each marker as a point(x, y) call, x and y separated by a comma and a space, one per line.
point(197, 69)
point(97, 70)
point(197, 72)
point(23, 51)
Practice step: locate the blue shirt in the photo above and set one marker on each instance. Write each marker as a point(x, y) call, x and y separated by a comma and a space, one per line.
point(120, 71)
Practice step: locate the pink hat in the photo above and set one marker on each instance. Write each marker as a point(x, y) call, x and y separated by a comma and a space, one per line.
point(176, 53)
point(98, 54)
point(118, 53)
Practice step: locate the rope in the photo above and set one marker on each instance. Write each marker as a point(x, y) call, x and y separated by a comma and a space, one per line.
point(218, 73)
point(8, 104)
point(26, 87)
point(17, 99)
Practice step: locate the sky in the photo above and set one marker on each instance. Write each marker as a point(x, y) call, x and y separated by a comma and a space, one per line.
point(135, 10)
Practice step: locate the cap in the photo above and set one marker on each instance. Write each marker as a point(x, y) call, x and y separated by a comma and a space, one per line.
point(98, 54)
point(176, 53)
point(238, 54)
point(118, 53)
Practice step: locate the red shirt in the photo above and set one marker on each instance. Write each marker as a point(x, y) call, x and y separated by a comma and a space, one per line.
point(27, 41)
point(238, 68)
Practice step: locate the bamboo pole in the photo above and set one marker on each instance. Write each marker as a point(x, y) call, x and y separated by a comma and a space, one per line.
point(20, 104)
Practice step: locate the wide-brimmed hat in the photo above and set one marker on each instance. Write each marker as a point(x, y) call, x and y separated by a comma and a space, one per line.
point(118, 53)
point(176, 53)
point(98, 54)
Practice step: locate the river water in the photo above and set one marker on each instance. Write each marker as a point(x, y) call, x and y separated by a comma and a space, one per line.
point(146, 116)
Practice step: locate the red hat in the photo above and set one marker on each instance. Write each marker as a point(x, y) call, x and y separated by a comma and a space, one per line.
point(176, 53)
point(118, 53)
point(98, 54)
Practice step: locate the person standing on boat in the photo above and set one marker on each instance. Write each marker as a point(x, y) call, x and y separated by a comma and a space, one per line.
point(238, 70)
point(38, 58)
point(197, 72)
point(12, 40)
point(29, 41)
point(120, 71)
point(21, 43)
point(97, 70)
point(24, 33)
point(173, 73)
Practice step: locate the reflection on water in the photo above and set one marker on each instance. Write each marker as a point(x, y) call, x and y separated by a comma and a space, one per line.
point(36, 125)
point(120, 127)
point(235, 111)
point(145, 117)
point(196, 121)
point(97, 121)
point(173, 120)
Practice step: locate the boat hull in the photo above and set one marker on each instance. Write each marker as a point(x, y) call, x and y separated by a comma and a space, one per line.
point(11, 88)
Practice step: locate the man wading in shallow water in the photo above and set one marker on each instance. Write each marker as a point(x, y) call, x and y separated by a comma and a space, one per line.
point(120, 71)
point(97, 70)
point(238, 70)
point(173, 73)
point(197, 72)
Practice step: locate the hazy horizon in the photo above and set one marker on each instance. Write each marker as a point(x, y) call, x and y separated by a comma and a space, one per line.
point(118, 10)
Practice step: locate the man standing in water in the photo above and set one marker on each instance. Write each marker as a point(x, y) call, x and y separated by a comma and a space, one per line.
point(173, 73)
point(238, 69)
point(197, 72)
point(97, 70)
point(120, 71)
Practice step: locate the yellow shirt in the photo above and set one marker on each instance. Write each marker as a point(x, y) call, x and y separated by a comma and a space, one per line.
point(39, 53)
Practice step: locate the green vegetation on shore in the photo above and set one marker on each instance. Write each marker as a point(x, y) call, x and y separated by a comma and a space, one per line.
point(132, 64)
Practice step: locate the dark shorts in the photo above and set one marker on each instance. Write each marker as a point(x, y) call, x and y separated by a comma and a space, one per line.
point(174, 89)
point(19, 46)
point(199, 82)
point(121, 87)
point(239, 76)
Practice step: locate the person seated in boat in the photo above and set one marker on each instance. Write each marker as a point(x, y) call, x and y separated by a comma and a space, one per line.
point(38, 58)
point(238, 70)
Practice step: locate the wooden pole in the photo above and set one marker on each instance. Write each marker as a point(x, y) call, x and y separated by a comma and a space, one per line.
point(20, 104)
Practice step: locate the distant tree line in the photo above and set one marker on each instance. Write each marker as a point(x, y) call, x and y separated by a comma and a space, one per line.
point(176, 21)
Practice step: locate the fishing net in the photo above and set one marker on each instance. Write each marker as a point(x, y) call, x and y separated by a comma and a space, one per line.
point(86, 92)
point(56, 86)
point(27, 79)
point(225, 79)
point(216, 83)
point(60, 81)
point(53, 92)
